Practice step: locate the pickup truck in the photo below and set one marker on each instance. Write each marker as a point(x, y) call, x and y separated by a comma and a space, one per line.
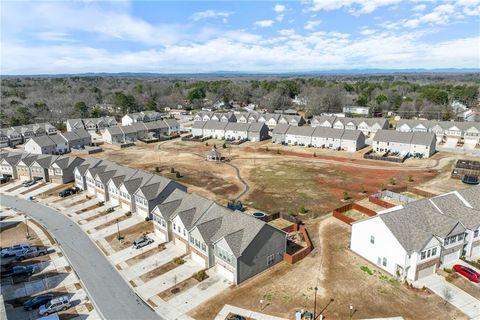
point(12, 251)
point(67, 192)
point(19, 271)
point(31, 252)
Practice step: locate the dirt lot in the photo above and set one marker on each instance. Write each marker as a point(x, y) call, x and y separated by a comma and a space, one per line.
point(15, 233)
point(336, 271)
point(286, 179)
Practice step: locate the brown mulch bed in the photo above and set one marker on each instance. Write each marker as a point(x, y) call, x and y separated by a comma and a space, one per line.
point(145, 254)
point(92, 207)
point(101, 214)
point(159, 270)
point(178, 288)
point(38, 186)
point(129, 235)
point(111, 222)
point(77, 202)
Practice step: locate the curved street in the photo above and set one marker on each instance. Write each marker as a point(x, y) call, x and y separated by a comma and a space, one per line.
point(112, 296)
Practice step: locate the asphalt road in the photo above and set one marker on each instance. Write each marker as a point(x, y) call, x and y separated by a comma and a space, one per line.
point(111, 294)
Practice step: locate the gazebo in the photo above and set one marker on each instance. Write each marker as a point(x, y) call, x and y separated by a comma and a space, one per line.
point(214, 155)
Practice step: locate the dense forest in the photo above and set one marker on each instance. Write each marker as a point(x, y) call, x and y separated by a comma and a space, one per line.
point(26, 99)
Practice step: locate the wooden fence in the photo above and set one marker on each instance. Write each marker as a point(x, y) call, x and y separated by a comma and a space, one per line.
point(302, 253)
point(338, 212)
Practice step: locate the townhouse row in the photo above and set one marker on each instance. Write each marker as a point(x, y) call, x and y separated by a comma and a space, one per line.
point(319, 137)
point(13, 136)
point(442, 129)
point(91, 124)
point(238, 246)
point(255, 131)
point(369, 126)
point(144, 116)
point(60, 143)
point(417, 144)
point(270, 119)
point(140, 130)
point(415, 240)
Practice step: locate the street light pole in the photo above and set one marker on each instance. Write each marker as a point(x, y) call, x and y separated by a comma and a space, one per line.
point(315, 304)
point(118, 231)
point(351, 311)
point(26, 225)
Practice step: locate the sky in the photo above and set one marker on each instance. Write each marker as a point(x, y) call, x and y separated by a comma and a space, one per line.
point(55, 37)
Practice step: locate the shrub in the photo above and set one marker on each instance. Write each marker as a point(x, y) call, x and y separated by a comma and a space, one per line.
point(128, 213)
point(147, 218)
point(157, 169)
point(303, 210)
point(448, 270)
point(382, 187)
point(100, 204)
point(178, 175)
point(278, 151)
point(410, 179)
point(109, 210)
point(200, 275)
point(266, 149)
point(366, 269)
point(178, 260)
point(172, 170)
point(314, 154)
point(393, 181)
point(291, 213)
point(206, 144)
point(345, 195)
point(224, 145)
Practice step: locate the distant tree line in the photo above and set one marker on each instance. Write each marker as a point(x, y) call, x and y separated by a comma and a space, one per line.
point(25, 99)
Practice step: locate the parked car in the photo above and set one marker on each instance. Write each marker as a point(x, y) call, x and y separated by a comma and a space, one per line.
point(19, 271)
point(37, 178)
point(37, 301)
point(12, 251)
point(31, 252)
point(29, 183)
point(142, 242)
point(4, 180)
point(55, 305)
point(467, 272)
point(68, 192)
point(236, 317)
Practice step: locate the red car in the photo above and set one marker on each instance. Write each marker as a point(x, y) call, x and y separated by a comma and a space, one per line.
point(470, 274)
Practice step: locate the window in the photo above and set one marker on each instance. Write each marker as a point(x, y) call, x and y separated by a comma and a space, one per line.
point(428, 253)
point(475, 234)
point(384, 262)
point(372, 239)
point(434, 251)
point(184, 233)
point(460, 237)
point(423, 255)
point(270, 259)
point(204, 247)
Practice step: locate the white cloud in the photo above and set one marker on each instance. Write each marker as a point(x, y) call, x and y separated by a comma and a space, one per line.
point(280, 17)
point(420, 7)
point(355, 6)
point(54, 36)
point(440, 15)
point(210, 14)
point(264, 23)
point(279, 8)
point(367, 31)
point(312, 24)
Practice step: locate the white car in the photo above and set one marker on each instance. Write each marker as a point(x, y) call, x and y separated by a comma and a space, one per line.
point(55, 305)
point(12, 251)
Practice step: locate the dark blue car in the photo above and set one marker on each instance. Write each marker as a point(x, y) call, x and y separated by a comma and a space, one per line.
point(37, 301)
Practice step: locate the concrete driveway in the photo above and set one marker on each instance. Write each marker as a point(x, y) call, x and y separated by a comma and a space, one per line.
point(113, 297)
point(459, 298)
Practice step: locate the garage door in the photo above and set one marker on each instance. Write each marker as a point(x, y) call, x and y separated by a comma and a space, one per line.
point(126, 206)
point(451, 257)
point(180, 244)
point(161, 235)
point(224, 272)
point(114, 200)
point(475, 252)
point(24, 178)
point(199, 259)
point(426, 272)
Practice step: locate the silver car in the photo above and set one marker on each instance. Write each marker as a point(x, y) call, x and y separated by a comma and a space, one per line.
point(55, 305)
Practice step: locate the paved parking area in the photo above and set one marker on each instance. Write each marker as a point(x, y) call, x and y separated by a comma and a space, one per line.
point(459, 298)
point(54, 275)
point(148, 288)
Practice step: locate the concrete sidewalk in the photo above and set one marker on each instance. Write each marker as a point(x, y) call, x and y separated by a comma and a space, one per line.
point(460, 299)
point(222, 315)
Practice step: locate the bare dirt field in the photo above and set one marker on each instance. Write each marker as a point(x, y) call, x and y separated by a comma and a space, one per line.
point(280, 178)
point(335, 270)
point(129, 235)
point(15, 233)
